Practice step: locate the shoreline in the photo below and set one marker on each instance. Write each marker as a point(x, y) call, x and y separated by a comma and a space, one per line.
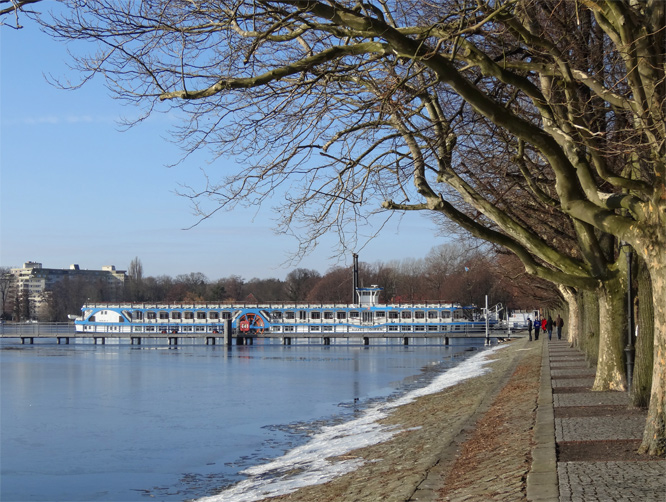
point(414, 463)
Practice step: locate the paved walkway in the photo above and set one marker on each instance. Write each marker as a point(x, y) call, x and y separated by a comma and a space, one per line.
point(586, 441)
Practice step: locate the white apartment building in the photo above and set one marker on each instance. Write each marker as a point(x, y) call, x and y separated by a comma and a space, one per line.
point(33, 283)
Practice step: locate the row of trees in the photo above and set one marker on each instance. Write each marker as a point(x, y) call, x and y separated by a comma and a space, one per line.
point(450, 273)
point(538, 125)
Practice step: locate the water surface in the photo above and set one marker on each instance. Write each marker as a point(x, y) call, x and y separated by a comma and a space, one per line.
point(86, 422)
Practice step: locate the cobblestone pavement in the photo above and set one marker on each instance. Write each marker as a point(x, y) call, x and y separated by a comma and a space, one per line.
point(597, 435)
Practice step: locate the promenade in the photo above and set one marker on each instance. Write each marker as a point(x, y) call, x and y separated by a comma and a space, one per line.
point(529, 430)
point(586, 441)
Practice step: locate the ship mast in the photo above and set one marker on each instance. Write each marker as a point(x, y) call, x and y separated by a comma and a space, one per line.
point(355, 298)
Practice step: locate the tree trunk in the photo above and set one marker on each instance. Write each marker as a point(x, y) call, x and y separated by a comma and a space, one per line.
point(612, 333)
point(571, 329)
point(654, 436)
point(642, 377)
point(588, 334)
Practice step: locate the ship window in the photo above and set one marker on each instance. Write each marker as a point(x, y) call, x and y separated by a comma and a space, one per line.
point(91, 318)
point(289, 315)
point(188, 315)
point(419, 328)
point(302, 315)
point(213, 315)
point(342, 315)
point(328, 315)
point(433, 314)
point(138, 315)
point(150, 315)
point(446, 314)
point(176, 315)
point(201, 315)
point(419, 314)
point(406, 314)
point(380, 314)
point(353, 314)
point(314, 328)
point(277, 314)
point(406, 328)
point(164, 315)
point(432, 328)
point(226, 315)
point(315, 314)
point(289, 329)
point(393, 314)
point(327, 328)
point(393, 328)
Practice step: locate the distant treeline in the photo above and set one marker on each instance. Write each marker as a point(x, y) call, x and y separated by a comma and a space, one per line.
point(449, 272)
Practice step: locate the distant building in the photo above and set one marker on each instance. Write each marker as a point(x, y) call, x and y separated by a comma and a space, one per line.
point(31, 286)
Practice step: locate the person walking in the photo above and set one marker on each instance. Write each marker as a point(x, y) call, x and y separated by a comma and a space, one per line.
point(537, 327)
point(529, 328)
point(543, 324)
point(549, 327)
point(559, 324)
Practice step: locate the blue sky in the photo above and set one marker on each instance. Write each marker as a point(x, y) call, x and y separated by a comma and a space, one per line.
point(76, 188)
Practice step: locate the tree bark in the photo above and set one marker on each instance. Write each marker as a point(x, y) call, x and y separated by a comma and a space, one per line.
point(588, 340)
point(642, 377)
point(611, 373)
point(571, 329)
point(654, 436)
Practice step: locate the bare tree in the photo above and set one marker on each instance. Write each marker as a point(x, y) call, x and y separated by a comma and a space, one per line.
point(12, 9)
point(335, 285)
point(6, 281)
point(299, 282)
point(474, 110)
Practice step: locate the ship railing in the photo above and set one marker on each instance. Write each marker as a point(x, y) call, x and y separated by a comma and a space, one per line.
point(283, 305)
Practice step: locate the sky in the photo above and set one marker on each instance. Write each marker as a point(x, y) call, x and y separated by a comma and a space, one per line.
point(76, 188)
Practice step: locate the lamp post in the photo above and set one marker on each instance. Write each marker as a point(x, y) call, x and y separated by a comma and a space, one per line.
point(487, 323)
point(629, 349)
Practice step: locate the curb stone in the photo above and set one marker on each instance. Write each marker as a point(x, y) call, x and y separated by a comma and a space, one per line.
point(542, 482)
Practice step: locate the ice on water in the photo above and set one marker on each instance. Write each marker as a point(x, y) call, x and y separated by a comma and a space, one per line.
point(310, 463)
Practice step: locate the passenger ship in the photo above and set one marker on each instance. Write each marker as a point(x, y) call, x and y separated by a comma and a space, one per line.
point(284, 319)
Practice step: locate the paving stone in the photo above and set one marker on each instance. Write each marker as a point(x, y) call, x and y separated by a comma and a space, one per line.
point(599, 428)
point(567, 364)
point(591, 399)
point(612, 481)
point(574, 372)
point(572, 382)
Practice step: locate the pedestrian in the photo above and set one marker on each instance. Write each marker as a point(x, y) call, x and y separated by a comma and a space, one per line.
point(549, 327)
point(529, 328)
point(559, 324)
point(537, 327)
point(543, 324)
